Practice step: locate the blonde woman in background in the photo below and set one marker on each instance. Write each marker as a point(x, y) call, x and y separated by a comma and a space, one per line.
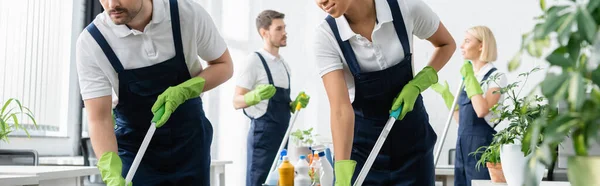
point(474, 102)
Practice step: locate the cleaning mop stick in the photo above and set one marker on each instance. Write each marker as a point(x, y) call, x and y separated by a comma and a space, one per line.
point(286, 136)
point(144, 146)
point(437, 153)
point(384, 133)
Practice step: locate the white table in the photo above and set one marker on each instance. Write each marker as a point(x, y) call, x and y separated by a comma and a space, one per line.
point(445, 174)
point(544, 183)
point(52, 175)
point(217, 167)
point(18, 180)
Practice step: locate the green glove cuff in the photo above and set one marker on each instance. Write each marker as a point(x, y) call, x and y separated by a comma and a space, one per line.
point(302, 98)
point(344, 169)
point(110, 166)
point(193, 87)
point(425, 78)
point(448, 99)
point(251, 99)
point(472, 87)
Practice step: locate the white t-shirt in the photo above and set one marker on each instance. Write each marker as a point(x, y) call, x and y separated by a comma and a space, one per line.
point(385, 51)
point(500, 82)
point(135, 49)
point(254, 74)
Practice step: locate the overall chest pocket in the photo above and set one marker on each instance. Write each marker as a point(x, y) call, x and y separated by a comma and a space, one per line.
point(153, 86)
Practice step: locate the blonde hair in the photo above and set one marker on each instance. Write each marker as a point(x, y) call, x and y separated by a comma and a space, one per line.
point(489, 51)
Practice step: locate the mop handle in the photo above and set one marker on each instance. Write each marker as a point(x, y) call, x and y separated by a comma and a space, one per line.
point(384, 133)
point(144, 146)
point(287, 135)
point(450, 115)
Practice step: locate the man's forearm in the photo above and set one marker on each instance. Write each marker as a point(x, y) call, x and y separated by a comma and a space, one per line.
point(342, 131)
point(102, 135)
point(217, 72)
point(239, 102)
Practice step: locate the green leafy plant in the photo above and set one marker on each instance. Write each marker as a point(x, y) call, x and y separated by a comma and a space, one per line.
point(518, 111)
point(304, 137)
point(487, 154)
point(12, 109)
point(573, 26)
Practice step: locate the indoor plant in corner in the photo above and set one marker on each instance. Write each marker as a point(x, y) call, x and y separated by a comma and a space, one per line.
point(573, 87)
point(519, 113)
point(10, 113)
point(301, 140)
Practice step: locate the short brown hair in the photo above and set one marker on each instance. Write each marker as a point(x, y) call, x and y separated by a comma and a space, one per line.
point(265, 18)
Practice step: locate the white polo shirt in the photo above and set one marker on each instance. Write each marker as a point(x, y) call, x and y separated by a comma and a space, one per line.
point(385, 51)
point(254, 74)
point(499, 82)
point(135, 49)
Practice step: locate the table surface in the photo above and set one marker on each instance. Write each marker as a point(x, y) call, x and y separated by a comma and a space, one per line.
point(50, 172)
point(78, 160)
point(544, 183)
point(18, 180)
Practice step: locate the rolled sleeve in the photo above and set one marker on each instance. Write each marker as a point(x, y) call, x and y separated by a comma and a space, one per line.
point(211, 44)
point(327, 58)
point(425, 21)
point(92, 80)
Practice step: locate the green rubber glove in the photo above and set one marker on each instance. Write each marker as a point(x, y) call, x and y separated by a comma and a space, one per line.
point(344, 169)
point(261, 92)
point(407, 97)
point(110, 167)
point(175, 96)
point(472, 87)
point(302, 98)
point(444, 90)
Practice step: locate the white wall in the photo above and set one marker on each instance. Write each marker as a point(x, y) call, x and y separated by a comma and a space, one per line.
point(238, 28)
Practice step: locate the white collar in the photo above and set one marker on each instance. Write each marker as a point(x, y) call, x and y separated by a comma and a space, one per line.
point(384, 15)
point(158, 15)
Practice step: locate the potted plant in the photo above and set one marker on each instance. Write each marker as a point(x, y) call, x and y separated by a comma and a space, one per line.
point(489, 156)
point(573, 26)
point(10, 113)
point(519, 112)
point(301, 140)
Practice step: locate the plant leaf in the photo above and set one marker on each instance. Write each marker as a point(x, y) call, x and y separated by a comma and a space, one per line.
point(576, 91)
point(559, 58)
point(574, 46)
point(6, 105)
point(552, 84)
point(565, 28)
point(586, 24)
point(32, 119)
point(543, 5)
point(592, 5)
point(557, 129)
point(515, 62)
point(596, 76)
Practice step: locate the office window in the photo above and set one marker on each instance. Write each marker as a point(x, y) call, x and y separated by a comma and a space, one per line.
point(35, 55)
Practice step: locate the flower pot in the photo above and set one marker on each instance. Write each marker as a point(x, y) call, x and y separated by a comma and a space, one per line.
point(583, 170)
point(496, 174)
point(513, 165)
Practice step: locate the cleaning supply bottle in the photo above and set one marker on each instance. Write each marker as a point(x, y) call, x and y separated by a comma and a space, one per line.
point(286, 173)
point(315, 170)
point(301, 168)
point(273, 176)
point(326, 176)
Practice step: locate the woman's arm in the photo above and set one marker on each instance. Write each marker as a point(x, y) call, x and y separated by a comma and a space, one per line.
point(444, 47)
point(342, 114)
point(483, 105)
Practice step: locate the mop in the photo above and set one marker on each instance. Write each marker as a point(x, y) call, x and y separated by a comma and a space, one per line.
point(450, 115)
point(285, 138)
point(144, 146)
point(384, 133)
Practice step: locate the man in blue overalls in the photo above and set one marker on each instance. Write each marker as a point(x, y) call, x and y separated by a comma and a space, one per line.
point(141, 52)
point(263, 91)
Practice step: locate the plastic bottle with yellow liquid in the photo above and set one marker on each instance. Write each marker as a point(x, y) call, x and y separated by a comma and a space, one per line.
point(286, 173)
